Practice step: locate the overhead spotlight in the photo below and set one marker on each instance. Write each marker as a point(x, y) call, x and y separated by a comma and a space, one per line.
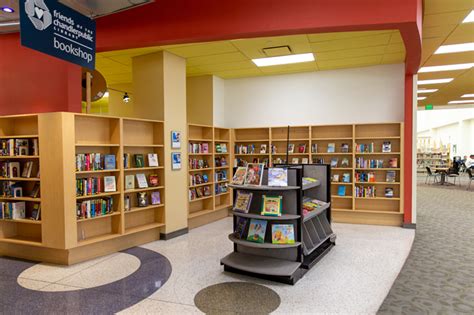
point(126, 98)
point(7, 10)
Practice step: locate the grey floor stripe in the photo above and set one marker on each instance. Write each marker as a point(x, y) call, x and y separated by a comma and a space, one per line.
point(438, 276)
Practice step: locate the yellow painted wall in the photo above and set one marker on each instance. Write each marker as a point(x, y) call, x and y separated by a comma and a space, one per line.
point(199, 96)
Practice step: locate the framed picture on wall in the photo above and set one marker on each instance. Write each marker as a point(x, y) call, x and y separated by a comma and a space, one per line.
point(176, 160)
point(175, 140)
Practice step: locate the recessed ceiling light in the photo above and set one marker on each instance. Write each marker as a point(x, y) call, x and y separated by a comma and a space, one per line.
point(435, 81)
point(420, 98)
point(7, 10)
point(447, 49)
point(468, 95)
point(469, 18)
point(283, 60)
point(462, 102)
point(460, 66)
point(427, 91)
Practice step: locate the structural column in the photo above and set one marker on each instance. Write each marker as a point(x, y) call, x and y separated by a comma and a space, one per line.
point(159, 89)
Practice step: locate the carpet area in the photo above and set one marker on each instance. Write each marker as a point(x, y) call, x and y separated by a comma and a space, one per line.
point(438, 276)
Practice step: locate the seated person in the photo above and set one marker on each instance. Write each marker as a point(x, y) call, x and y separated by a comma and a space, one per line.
point(470, 161)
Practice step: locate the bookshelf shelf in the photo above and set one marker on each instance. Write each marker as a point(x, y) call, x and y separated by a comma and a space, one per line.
point(201, 198)
point(138, 209)
point(200, 140)
point(21, 199)
point(330, 139)
point(99, 217)
point(19, 137)
point(97, 239)
point(378, 138)
point(341, 197)
point(23, 157)
point(26, 221)
point(97, 171)
point(130, 191)
point(378, 198)
point(221, 167)
point(222, 181)
point(19, 179)
point(251, 140)
point(203, 184)
point(340, 183)
point(378, 183)
point(145, 227)
point(291, 139)
point(98, 195)
point(143, 145)
point(252, 154)
point(200, 213)
point(148, 168)
point(223, 193)
point(200, 169)
point(334, 153)
point(342, 168)
point(283, 217)
point(100, 145)
point(200, 154)
point(22, 240)
point(377, 153)
point(262, 245)
point(378, 169)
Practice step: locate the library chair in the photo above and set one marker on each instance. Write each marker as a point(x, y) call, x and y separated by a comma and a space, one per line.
point(453, 172)
point(430, 174)
point(471, 178)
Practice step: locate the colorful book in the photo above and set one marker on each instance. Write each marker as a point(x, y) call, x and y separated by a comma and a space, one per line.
point(142, 199)
point(239, 176)
point(295, 160)
point(341, 190)
point(388, 192)
point(346, 177)
point(240, 227)
point(331, 147)
point(153, 160)
point(129, 182)
point(272, 205)
point(291, 148)
point(386, 146)
point(393, 162)
point(141, 180)
point(334, 162)
point(302, 148)
point(283, 234)
point(243, 201)
point(304, 161)
point(109, 184)
point(263, 148)
point(154, 180)
point(390, 176)
point(277, 176)
point(155, 198)
point(314, 148)
point(139, 160)
point(257, 231)
point(335, 178)
point(345, 162)
point(109, 161)
point(254, 174)
point(345, 147)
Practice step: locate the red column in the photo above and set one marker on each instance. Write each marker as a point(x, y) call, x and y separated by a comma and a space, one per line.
point(408, 150)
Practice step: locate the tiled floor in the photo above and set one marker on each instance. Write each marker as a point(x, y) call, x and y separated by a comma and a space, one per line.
point(354, 277)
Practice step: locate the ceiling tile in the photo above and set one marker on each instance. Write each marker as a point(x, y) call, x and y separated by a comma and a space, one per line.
point(215, 59)
point(440, 6)
point(349, 62)
point(449, 59)
point(315, 38)
point(305, 66)
point(351, 43)
point(438, 31)
point(395, 48)
point(195, 50)
point(447, 18)
point(351, 53)
point(464, 33)
point(396, 37)
point(253, 48)
point(393, 58)
point(227, 66)
point(242, 73)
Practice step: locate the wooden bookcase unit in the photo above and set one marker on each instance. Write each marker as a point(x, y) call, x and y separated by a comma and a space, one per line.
point(347, 208)
point(60, 236)
point(208, 208)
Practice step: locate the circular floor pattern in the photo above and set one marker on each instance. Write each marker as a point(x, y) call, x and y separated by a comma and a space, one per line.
point(237, 298)
point(154, 271)
point(115, 268)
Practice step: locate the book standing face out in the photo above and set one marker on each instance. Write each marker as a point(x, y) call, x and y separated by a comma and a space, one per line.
point(283, 234)
point(272, 205)
point(254, 174)
point(257, 231)
point(277, 176)
point(239, 176)
point(243, 201)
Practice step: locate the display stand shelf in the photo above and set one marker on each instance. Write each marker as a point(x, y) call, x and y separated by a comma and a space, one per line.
point(285, 263)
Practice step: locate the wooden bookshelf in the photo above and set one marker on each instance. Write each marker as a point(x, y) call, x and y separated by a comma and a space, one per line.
point(208, 208)
point(347, 208)
point(60, 236)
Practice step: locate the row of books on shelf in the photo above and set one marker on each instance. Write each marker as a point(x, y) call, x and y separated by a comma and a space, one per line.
point(244, 162)
point(94, 207)
point(143, 200)
point(220, 161)
point(198, 179)
point(250, 149)
point(19, 211)
point(370, 147)
point(141, 181)
point(10, 169)
point(198, 148)
point(95, 185)
point(19, 147)
point(310, 205)
point(254, 230)
point(221, 188)
point(335, 162)
point(344, 178)
point(11, 189)
point(199, 192)
point(220, 175)
point(369, 177)
point(365, 191)
point(99, 161)
point(361, 162)
point(221, 148)
point(196, 164)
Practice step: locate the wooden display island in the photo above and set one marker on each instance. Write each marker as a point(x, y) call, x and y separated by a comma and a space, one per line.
point(60, 235)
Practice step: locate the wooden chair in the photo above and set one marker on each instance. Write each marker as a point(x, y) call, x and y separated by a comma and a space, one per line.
point(430, 174)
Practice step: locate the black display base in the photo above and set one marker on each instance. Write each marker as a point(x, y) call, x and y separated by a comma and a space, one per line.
point(312, 259)
point(297, 275)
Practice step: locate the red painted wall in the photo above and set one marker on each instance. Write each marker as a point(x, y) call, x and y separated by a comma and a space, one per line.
point(32, 82)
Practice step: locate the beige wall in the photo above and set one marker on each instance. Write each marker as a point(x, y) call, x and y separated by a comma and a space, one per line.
point(199, 95)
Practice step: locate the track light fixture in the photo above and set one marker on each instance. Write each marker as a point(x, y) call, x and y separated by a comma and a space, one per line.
point(126, 98)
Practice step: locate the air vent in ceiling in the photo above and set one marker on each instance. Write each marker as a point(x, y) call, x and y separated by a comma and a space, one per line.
point(277, 51)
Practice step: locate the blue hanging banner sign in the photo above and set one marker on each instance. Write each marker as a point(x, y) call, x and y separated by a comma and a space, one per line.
point(57, 30)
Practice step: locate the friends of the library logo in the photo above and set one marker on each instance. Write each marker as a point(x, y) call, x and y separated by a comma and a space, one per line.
point(66, 31)
point(38, 13)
